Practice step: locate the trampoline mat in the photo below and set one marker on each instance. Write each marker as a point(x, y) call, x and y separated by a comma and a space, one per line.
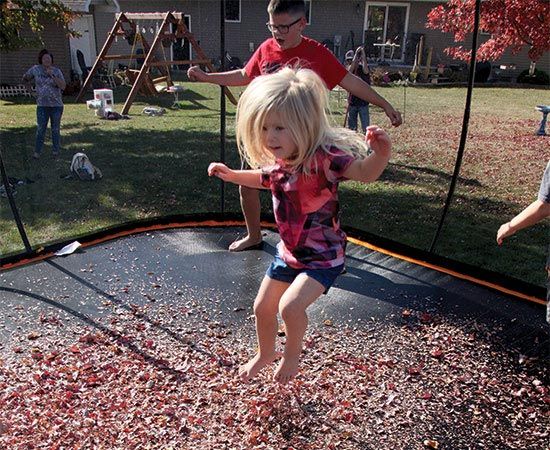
point(137, 342)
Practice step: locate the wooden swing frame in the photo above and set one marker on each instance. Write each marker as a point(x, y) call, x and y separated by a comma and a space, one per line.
point(142, 79)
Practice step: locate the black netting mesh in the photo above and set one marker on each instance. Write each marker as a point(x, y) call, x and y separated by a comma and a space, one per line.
point(154, 166)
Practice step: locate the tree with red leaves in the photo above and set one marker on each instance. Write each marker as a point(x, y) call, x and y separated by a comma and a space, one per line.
point(512, 24)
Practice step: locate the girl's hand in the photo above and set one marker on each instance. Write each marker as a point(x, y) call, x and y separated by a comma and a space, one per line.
point(220, 170)
point(378, 140)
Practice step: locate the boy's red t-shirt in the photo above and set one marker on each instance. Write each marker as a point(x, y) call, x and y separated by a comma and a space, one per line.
point(310, 54)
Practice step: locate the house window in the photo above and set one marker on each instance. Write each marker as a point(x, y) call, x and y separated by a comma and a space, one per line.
point(386, 30)
point(308, 11)
point(232, 10)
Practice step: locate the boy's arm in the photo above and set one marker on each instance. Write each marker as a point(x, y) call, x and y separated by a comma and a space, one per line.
point(534, 213)
point(353, 66)
point(230, 78)
point(359, 88)
point(249, 178)
point(369, 169)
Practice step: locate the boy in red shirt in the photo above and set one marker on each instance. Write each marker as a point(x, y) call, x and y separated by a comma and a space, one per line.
point(287, 47)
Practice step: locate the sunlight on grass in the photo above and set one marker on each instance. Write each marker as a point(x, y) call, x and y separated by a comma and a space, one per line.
point(155, 166)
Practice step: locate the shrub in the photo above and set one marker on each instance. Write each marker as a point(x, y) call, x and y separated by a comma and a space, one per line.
point(379, 77)
point(395, 76)
point(539, 77)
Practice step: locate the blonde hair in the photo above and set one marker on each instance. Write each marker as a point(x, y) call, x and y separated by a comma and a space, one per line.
point(300, 98)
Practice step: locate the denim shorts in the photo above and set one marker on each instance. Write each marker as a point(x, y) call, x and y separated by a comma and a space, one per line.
point(280, 271)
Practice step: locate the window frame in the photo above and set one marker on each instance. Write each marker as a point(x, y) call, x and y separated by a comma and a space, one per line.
point(239, 18)
point(387, 5)
point(308, 13)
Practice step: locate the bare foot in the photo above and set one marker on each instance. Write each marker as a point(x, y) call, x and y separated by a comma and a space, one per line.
point(246, 243)
point(251, 368)
point(287, 370)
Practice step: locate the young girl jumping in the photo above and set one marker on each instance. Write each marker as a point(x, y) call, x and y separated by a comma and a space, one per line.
point(283, 127)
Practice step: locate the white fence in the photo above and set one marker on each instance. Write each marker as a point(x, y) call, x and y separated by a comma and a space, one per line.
point(13, 91)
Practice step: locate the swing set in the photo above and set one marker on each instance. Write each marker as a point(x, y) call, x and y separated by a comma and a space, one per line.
point(127, 25)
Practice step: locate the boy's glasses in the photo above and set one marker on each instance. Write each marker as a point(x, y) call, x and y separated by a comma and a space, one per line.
point(283, 29)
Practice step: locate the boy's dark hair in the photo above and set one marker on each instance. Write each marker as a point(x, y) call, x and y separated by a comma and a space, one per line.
point(41, 55)
point(286, 6)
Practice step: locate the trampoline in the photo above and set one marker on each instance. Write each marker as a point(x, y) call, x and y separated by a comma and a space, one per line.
point(111, 330)
point(156, 265)
point(134, 341)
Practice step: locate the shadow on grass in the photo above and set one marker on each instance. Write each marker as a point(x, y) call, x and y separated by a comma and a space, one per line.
point(408, 174)
point(163, 172)
point(411, 216)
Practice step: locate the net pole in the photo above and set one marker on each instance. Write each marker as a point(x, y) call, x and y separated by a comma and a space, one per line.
point(465, 122)
point(222, 101)
point(13, 206)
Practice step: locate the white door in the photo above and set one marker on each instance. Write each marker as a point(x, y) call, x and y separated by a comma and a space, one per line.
point(85, 43)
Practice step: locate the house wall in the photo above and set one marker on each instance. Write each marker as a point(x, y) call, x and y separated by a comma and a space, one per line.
point(14, 64)
point(439, 40)
point(329, 18)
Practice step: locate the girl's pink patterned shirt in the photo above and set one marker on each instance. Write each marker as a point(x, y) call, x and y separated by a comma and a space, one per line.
point(307, 210)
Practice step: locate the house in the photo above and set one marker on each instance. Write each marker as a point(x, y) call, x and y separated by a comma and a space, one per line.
point(390, 30)
point(14, 64)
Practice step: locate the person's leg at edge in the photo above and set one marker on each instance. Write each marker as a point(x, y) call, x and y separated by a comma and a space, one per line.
point(548, 297)
point(303, 291)
point(41, 125)
point(55, 120)
point(250, 205)
point(265, 311)
point(365, 119)
point(352, 118)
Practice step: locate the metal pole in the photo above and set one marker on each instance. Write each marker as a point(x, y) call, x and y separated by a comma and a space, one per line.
point(9, 192)
point(465, 121)
point(222, 101)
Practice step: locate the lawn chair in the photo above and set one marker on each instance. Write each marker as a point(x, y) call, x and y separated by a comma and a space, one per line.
point(82, 64)
point(107, 75)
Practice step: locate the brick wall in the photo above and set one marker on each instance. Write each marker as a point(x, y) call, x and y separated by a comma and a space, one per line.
point(14, 64)
point(329, 18)
point(439, 41)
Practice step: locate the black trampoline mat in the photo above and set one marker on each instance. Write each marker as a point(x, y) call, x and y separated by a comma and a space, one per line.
point(194, 298)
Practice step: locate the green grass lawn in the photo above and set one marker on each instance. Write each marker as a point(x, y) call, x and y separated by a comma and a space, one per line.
point(155, 166)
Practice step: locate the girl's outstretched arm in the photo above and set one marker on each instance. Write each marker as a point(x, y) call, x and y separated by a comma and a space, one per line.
point(369, 169)
point(249, 178)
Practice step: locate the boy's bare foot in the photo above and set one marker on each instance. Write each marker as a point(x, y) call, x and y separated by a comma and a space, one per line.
point(287, 370)
point(251, 368)
point(246, 243)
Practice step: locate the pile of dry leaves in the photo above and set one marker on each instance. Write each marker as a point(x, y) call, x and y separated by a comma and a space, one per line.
point(133, 382)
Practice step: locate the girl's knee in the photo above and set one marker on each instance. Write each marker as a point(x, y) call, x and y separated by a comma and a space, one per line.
point(263, 308)
point(290, 311)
